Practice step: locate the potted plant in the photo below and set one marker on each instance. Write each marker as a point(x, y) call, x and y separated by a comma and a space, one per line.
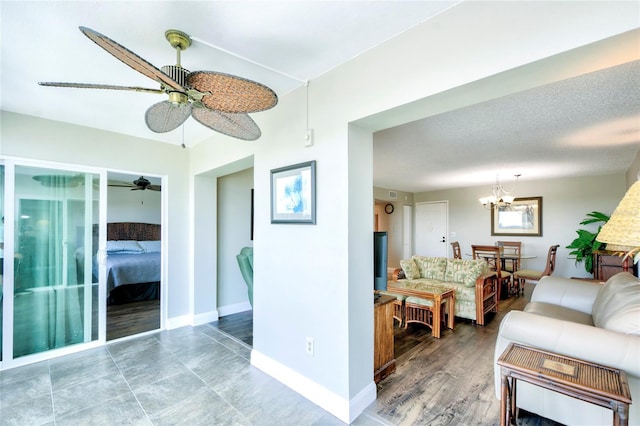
point(583, 246)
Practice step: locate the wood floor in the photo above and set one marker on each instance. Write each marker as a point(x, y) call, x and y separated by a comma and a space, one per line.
point(132, 318)
point(238, 325)
point(446, 381)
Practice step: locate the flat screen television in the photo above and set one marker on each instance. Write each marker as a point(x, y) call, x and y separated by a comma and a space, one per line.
point(379, 260)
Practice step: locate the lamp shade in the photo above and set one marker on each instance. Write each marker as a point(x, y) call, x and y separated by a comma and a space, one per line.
point(623, 228)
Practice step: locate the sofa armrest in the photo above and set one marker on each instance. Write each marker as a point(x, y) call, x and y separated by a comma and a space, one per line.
point(486, 296)
point(396, 274)
point(568, 338)
point(569, 293)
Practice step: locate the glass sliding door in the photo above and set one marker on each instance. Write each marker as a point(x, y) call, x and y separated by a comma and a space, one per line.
point(55, 278)
point(1, 253)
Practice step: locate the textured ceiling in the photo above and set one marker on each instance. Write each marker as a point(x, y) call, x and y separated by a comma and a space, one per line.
point(583, 125)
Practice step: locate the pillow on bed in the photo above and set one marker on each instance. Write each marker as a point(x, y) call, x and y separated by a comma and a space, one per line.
point(124, 246)
point(150, 246)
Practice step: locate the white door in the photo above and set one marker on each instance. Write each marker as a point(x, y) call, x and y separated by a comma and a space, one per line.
point(407, 234)
point(431, 229)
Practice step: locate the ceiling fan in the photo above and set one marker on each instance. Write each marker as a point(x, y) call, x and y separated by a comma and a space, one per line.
point(141, 184)
point(216, 100)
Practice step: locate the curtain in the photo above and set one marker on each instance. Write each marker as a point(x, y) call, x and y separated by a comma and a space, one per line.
point(48, 303)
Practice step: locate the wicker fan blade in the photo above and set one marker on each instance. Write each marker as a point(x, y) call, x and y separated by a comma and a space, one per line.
point(239, 125)
point(230, 93)
point(131, 59)
point(166, 116)
point(98, 86)
point(120, 184)
point(154, 188)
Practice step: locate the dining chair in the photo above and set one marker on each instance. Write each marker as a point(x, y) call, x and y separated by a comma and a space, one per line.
point(456, 250)
point(524, 275)
point(511, 251)
point(491, 254)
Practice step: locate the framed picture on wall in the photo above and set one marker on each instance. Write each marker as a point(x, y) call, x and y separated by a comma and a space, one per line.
point(293, 194)
point(523, 217)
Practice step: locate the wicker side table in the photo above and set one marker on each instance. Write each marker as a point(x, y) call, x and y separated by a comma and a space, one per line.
point(587, 381)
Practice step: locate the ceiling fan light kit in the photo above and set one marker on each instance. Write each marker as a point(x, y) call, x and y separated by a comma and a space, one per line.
point(216, 100)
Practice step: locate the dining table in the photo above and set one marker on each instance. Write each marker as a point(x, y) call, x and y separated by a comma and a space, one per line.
point(510, 256)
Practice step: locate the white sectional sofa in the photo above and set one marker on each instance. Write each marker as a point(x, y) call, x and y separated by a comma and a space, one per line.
point(580, 319)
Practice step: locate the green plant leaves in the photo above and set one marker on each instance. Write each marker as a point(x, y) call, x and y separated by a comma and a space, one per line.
point(586, 243)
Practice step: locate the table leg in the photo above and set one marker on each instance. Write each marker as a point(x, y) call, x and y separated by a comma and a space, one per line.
point(437, 308)
point(504, 384)
point(620, 414)
point(512, 407)
point(451, 310)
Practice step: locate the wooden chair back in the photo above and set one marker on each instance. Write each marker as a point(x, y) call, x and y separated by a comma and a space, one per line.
point(457, 254)
point(551, 260)
point(489, 253)
point(513, 248)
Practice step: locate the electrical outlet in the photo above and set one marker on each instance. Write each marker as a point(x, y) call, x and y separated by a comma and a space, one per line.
point(310, 346)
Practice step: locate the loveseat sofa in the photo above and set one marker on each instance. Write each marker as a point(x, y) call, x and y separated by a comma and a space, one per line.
point(474, 283)
point(584, 320)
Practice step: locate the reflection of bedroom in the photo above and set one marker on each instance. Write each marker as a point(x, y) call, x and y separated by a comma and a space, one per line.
point(133, 255)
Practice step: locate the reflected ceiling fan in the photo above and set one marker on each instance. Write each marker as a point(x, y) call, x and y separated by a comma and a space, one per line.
point(139, 184)
point(216, 100)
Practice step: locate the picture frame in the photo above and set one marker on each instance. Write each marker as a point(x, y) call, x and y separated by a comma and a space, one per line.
point(293, 194)
point(523, 217)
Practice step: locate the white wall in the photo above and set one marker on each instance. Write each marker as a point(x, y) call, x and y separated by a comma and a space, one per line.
point(565, 203)
point(126, 205)
point(234, 232)
point(633, 174)
point(392, 223)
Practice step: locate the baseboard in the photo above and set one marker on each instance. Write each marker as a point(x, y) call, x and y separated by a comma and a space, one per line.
point(180, 321)
point(205, 318)
point(234, 309)
point(345, 410)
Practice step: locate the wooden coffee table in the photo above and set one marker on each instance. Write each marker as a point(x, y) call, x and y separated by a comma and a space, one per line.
point(415, 312)
point(587, 381)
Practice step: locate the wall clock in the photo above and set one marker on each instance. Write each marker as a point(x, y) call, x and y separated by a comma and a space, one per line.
point(388, 208)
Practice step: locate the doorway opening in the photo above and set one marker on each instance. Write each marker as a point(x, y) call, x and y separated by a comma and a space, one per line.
point(133, 254)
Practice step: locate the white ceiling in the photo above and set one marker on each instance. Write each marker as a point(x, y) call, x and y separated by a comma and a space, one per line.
point(41, 42)
point(585, 125)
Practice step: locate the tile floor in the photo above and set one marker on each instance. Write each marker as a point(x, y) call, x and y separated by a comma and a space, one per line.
point(190, 376)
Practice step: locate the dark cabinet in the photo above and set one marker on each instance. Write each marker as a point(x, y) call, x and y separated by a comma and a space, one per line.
point(606, 264)
point(384, 362)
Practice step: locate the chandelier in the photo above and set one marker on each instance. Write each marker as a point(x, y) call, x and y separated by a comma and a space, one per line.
point(500, 197)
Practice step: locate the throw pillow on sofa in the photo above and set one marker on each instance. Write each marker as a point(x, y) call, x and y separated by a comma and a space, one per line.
point(465, 271)
point(410, 269)
point(617, 305)
point(432, 268)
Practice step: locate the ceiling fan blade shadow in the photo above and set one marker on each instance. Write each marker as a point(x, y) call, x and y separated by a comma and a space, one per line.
point(99, 86)
point(60, 180)
point(231, 94)
point(166, 116)
point(239, 125)
point(131, 59)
